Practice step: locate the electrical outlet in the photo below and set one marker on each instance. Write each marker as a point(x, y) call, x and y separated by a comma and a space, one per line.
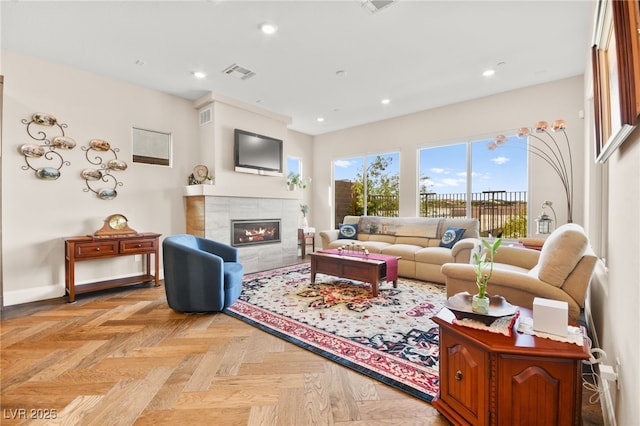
point(618, 373)
point(607, 373)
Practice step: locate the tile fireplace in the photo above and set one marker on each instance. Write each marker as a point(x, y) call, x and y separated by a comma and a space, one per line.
point(255, 231)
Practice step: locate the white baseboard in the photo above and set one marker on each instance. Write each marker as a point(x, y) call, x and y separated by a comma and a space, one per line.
point(34, 294)
point(606, 403)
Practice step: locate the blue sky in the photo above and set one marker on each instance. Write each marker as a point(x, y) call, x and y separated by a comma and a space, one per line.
point(504, 168)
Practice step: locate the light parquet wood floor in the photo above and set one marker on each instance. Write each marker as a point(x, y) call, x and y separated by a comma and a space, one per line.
point(123, 357)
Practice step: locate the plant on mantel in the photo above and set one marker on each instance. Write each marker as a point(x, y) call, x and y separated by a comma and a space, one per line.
point(294, 180)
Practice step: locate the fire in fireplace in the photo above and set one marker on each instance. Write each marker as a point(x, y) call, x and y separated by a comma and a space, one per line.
point(250, 232)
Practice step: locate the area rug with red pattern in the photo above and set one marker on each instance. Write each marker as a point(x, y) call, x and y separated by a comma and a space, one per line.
point(390, 338)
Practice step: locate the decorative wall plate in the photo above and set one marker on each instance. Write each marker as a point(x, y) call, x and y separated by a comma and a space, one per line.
point(48, 173)
point(117, 164)
point(44, 119)
point(32, 150)
point(200, 172)
point(63, 142)
point(91, 174)
point(107, 193)
point(99, 145)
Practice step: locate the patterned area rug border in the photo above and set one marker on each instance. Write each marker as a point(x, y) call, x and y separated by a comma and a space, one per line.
point(417, 380)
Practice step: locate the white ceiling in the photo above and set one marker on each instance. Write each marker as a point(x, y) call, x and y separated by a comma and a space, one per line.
point(418, 54)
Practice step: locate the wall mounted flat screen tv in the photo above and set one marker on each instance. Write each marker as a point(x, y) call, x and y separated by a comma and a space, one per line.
point(258, 154)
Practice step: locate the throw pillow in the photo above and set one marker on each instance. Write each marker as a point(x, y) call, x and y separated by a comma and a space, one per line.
point(348, 232)
point(451, 236)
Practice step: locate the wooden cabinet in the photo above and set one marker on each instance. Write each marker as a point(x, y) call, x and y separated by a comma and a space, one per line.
point(84, 248)
point(491, 379)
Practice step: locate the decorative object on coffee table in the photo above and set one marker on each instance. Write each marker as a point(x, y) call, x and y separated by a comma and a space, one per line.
point(484, 270)
point(461, 306)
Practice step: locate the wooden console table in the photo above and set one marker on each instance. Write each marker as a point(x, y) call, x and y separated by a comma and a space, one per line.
point(491, 379)
point(303, 236)
point(88, 247)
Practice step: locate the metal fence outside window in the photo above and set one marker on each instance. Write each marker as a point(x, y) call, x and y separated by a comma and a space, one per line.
point(500, 213)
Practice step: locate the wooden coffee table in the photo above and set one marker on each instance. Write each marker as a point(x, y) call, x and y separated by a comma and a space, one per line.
point(371, 271)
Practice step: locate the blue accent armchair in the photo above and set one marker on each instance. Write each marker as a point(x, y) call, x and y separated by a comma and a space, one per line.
point(200, 275)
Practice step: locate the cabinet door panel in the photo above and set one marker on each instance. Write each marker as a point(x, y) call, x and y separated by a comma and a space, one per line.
point(535, 391)
point(464, 378)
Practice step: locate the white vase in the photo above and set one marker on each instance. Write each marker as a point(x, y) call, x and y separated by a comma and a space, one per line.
point(479, 304)
point(305, 224)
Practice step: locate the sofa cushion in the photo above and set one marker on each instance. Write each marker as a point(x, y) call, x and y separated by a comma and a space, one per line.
point(561, 253)
point(434, 255)
point(348, 231)
point(451, 236)
point(406, 251)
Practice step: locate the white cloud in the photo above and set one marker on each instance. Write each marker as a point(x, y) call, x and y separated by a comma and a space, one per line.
point(500, 160)
point(343, 164)
point(451, 182)
point(437, 170)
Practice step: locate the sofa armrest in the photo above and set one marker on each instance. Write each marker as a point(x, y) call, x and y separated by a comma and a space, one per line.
point(327, 236)
point(517, 256)
point(461, 251)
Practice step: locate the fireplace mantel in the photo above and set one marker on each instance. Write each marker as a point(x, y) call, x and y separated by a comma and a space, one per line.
point(216, 191)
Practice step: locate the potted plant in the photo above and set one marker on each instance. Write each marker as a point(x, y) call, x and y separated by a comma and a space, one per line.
point(304, 209)
point(483, 266)
point(294, 180)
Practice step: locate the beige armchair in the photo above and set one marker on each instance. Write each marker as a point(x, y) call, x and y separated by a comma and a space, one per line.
point(561, 271)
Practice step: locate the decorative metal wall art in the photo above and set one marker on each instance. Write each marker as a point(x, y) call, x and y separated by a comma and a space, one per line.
point(95, 178)
point(47, 149)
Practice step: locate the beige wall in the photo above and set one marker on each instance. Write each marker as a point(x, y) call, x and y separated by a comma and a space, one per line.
point(38, 214)
point(614, 295)
point(485, 117)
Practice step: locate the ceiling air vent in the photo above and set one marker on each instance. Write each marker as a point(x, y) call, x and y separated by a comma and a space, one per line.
point(205, 116)
point(239, 72)
point(374, 6)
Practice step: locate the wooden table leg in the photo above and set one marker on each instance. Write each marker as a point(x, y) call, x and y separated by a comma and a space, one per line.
point(313, 270)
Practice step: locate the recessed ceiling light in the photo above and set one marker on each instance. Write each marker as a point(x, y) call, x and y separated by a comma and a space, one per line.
point(320, 119)
point(385, 101)
point(489, 73)
point(268, 28)
point(199, 74)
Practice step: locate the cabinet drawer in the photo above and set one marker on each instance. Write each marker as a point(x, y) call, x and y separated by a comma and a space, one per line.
point(96, 249)
point(138, 246)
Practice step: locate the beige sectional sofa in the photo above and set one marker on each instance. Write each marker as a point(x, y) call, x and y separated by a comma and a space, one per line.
point(415, 239)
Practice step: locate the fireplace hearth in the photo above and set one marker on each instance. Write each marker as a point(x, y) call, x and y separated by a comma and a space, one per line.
point(255, 231)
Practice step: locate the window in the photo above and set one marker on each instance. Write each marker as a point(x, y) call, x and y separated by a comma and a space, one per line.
point(374, 178)
point(151, 147)
point(294, 165)
point(470, 180)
